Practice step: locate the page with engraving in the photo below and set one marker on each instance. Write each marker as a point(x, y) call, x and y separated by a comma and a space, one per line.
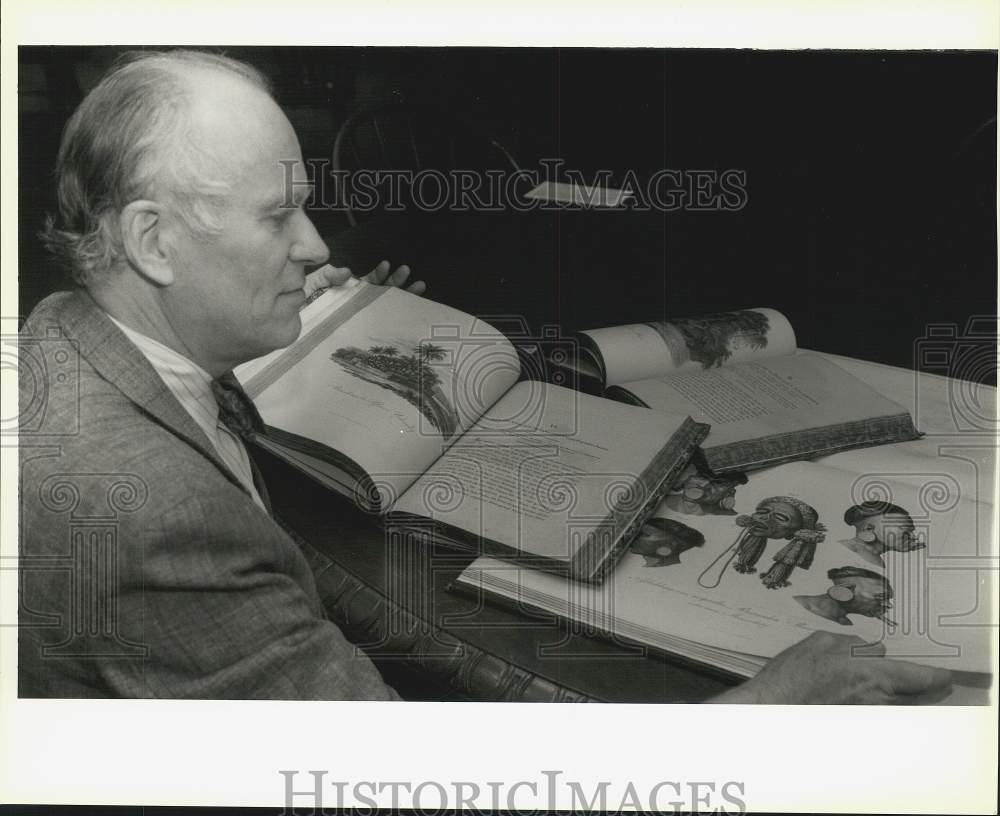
point(887, 544)
point(547, 467)
point(642, 350)
point(380, 379)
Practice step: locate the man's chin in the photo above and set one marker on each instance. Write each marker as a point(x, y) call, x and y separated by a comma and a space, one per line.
point(284, 334)
point(292, 332)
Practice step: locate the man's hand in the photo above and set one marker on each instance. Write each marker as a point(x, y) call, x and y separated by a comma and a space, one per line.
point(822, 670)
point(337, 276)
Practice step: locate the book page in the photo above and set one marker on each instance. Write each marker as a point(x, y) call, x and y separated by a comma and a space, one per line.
point(645, 350)
point(543, 468)
point(386, 379)
point(765, 397)
point(902, 552)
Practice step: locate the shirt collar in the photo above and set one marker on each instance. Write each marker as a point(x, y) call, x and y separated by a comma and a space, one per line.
point(189, 382)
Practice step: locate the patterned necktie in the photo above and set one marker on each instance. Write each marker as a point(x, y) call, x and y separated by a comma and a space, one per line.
point(236, 409)
point(238, 413)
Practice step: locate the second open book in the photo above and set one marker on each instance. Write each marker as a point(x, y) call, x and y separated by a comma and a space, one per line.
point(417, 411)
point(741, 373)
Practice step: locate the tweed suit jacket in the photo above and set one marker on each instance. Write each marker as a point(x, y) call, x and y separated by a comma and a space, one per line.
point(146, 568)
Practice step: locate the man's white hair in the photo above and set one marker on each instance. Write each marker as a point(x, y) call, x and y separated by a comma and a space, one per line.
point(131, 138)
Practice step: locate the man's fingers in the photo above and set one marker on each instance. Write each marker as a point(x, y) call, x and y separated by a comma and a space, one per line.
point(333, 275)
point(857, 647)
point(926, 698)
point(325, 276)
point(912, 678)
point(398, 278)
point(379, 274)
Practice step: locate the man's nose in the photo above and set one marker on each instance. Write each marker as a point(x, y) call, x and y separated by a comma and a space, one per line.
point(308, 247)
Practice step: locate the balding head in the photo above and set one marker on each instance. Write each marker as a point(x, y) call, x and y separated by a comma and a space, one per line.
point(139, 134)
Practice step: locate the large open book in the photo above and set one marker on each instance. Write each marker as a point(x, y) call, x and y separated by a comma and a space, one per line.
point(896, 544)
point(741, 373)
point(417, 411)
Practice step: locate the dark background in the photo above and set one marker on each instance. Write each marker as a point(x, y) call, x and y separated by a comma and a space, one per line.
point(871, 176)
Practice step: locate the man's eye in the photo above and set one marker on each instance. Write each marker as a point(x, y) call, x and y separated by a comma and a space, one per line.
point(282, 216)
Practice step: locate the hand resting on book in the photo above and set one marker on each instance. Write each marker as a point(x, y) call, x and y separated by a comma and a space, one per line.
point(823, 670)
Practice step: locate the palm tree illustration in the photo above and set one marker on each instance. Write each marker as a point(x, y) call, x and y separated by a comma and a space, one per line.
point(407, 375)
point(431, 353)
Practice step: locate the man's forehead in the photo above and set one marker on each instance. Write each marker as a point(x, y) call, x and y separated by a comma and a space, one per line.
point(289, 193)
point(279, 181)
point(245, 130)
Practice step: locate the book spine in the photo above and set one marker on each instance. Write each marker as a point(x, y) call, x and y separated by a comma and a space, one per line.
point(599, 554)
point(777, 449)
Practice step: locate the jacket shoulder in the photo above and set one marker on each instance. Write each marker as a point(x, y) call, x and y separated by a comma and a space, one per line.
point(48, 313)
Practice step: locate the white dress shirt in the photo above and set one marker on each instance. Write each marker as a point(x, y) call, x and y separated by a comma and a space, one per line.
point(192, 386)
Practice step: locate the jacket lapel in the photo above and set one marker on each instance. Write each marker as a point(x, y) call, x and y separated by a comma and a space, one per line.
point(119, 362)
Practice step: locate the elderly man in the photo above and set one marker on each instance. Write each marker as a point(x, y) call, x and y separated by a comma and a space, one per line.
point(151, 565)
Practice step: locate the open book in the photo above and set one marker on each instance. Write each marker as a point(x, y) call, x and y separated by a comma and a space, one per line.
point(417, 412)
point(895, 544)
point(741, 373)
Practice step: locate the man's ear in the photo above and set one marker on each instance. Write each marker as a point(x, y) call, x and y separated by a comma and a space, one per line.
point(142, 235)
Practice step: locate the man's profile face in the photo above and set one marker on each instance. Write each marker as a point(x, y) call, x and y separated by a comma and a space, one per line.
point(895, 531)
point(776, 520)
point(236, 294)
point(871, 597)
